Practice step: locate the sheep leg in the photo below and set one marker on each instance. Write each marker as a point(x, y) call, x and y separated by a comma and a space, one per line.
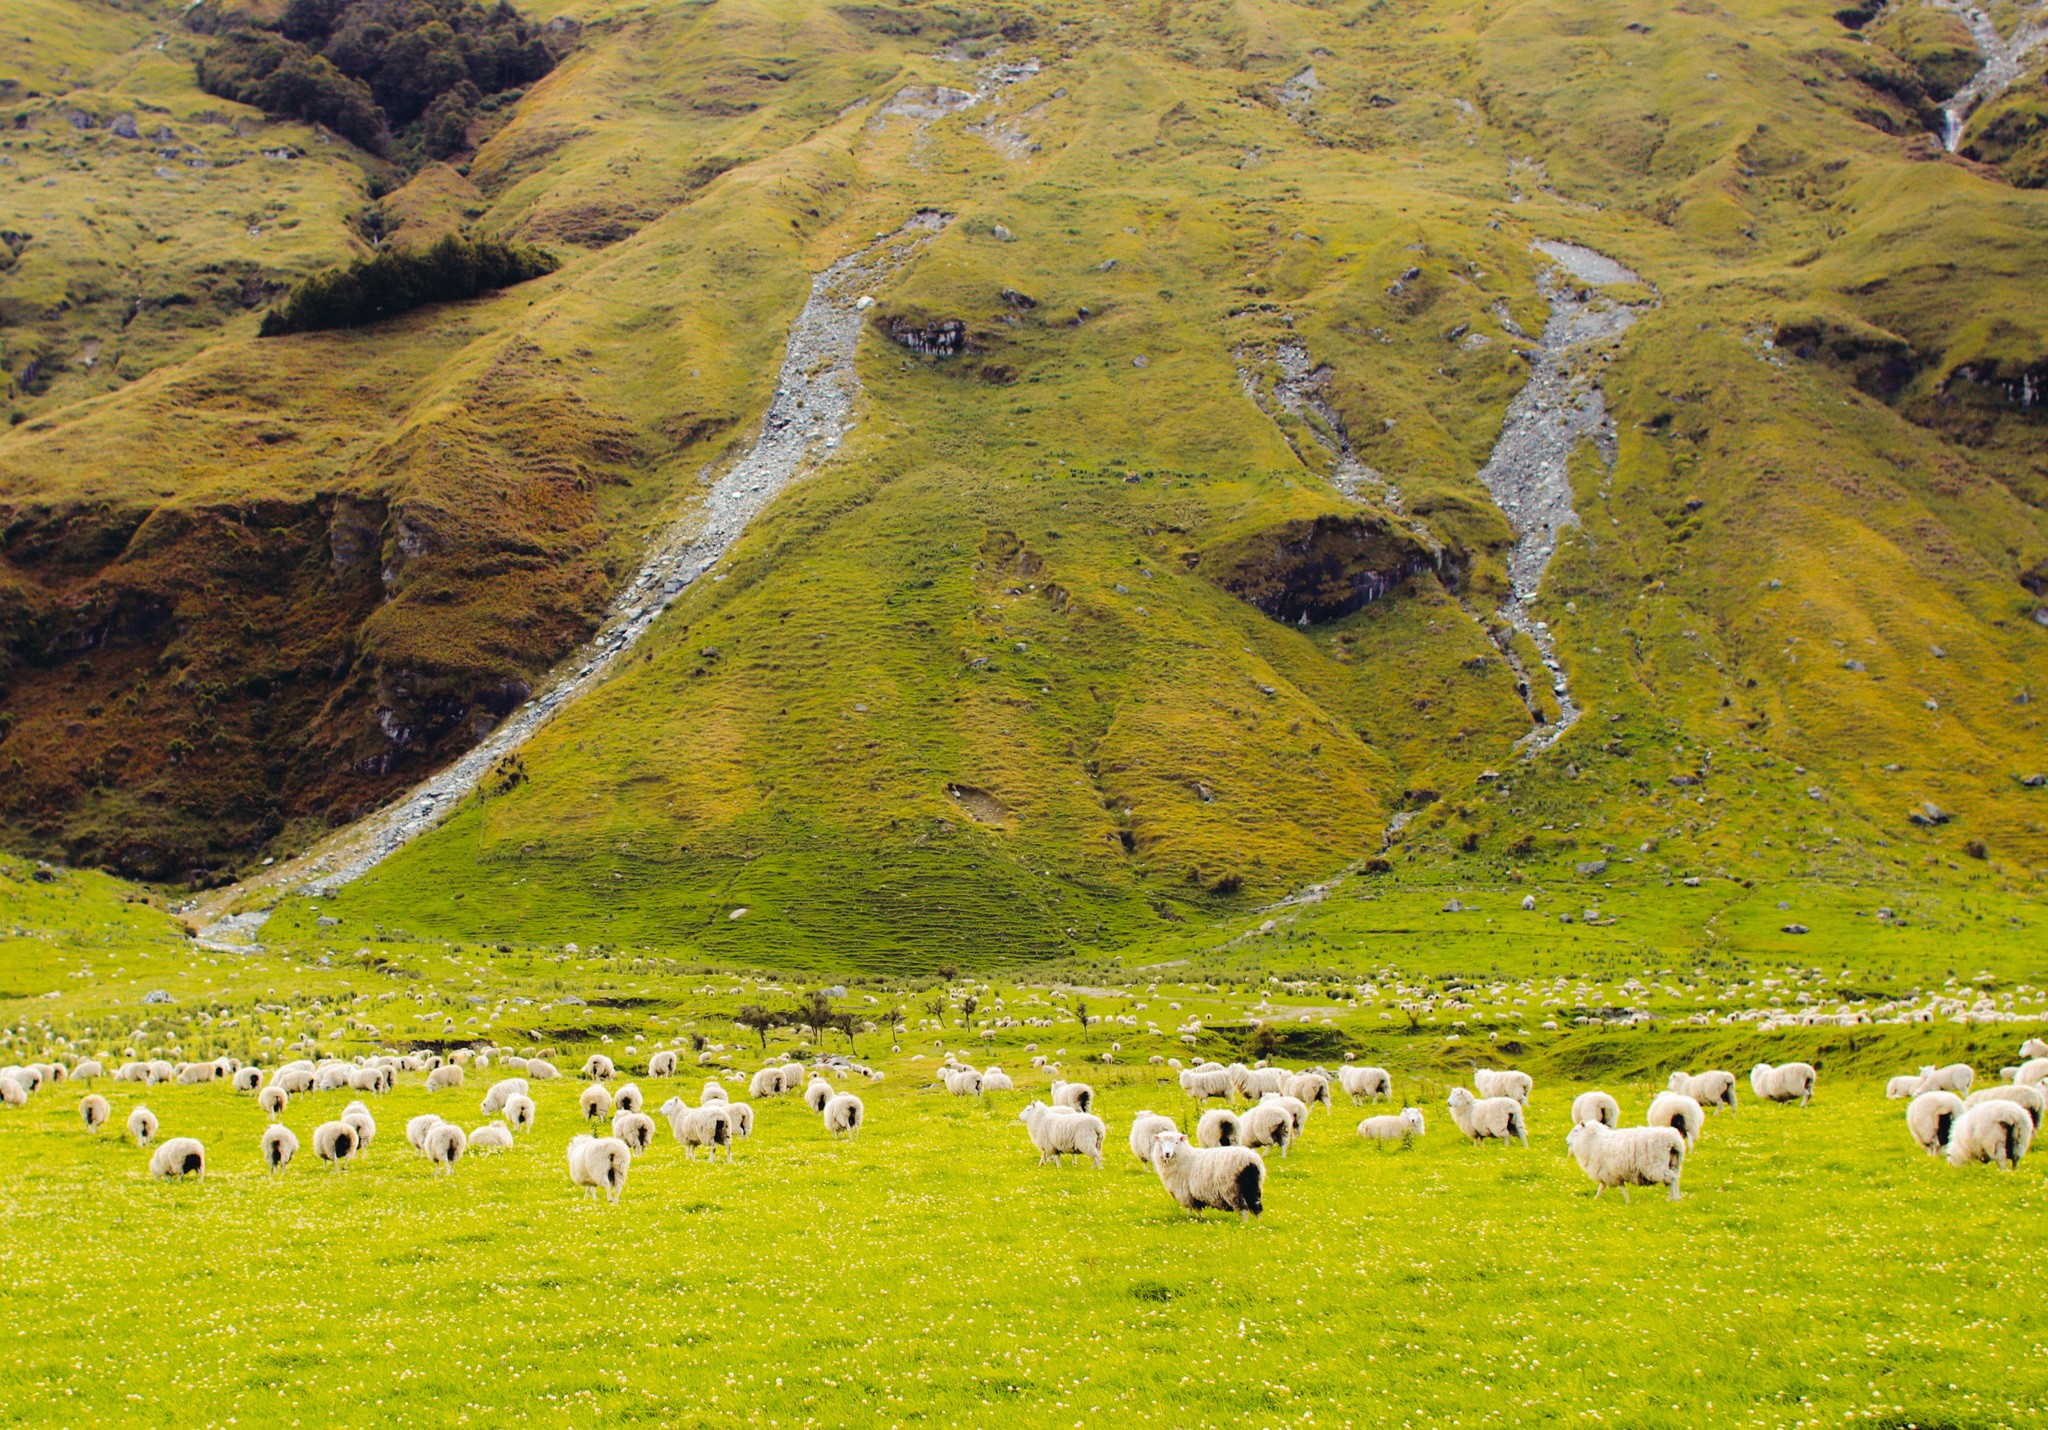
point(1624, 1195)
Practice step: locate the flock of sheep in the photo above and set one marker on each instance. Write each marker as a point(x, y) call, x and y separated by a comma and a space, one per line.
point(1221, 1167)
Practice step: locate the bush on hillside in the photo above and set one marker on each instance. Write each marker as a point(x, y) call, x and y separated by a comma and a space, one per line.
point(397, 282)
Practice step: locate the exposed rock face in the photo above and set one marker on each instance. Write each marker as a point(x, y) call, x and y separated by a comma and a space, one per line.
point(930, 337)
point(1307, 572)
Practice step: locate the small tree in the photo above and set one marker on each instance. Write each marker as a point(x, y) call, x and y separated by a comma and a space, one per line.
point(967, 1007)
point(936, 1006)
point(759, 1019)
point(948, 972)
point(1081, 1013)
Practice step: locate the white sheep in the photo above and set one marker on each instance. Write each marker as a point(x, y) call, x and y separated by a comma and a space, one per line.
point(742, 1119)
point(1206, 1082)
point(541, 1070)
point(519, 1112)
point(94, 1111)
point(708, 1127)
point(142, 1126)
point(365, 1126)
point(248, 1079)
point(599, 1164)
point(189, 1073)
point(1596, 1107)
point(89, 1068)
point(996, 1080)
point(12, 1093)
point(598, 1067)
point(1297, 1110)
point(445, 1145)
point(334, 1143)
point(444, 1077)
point(792, 1076)
point(1077, 1095)
point(1229, 1179)
point(1680, 1113)
point(662, 1064)
point(1715, 1089)
point(294, 1078)
point(630, 1099)
point(596, 1103)
point(1218, 1128)
point(1481, 1118)
point(492, 1137)
point(1144, 1127)
point(272, 1100)
point(1997, 1132)
point(1783, 1083)
point(2031, 1048)
point(1403, 1127)
point(1628, 1156)
point(417, 1129)
point(2031, 1098)
point(714, 1091)
point(1366, 1084)
point(1904, 1085)
point(1931, 1118)
point(765, 1083)
point(1309, 1089)
point(278, 1146)
point(2032, 1071)
point(817, 1093)
point(635, 1129)
point(179, 1157)
point(1267, 1125)
point(1955, 1078)
point(1503, 1082)
point(501, 1092)
point(1251, 1082)
point(843, 1114)
point(1062, 1132)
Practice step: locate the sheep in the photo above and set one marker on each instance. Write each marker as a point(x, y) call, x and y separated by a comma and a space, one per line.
point(371, 1080)
point(1268, 1125)
point(89, 1068)
point(278, 1146)
point(1231, 1179)
point(599, 1067)
point(1077, 1095)
point(996, 1080)
point(179, 1157)
point(843, 1115)
point(1481, 1118)
point(662, 1064)
point(742, 1119)
point(334, 1142)
point(765, 1083)
point(2031, 1098)
point(1503, 1082)
point(1997, 1132)
point(293, 1078)
point(491, 1137)
point(1403, 1127)
point(1682, 1114)
point(495, 1100)
point(1063, 1132)
point(961, 1082)
point(629, 1098)
point(1713, 1089)
point(1251, 1082)
point(1784, 1082)
point(1955, 1078)
point(709, 1127)
point(1309, 1089)
point(445, 1145)
point(1366, 1084)
point(1203, 1083)
point(1596, 1107)
point(161, 1071)
point(519, 1113)
point(417, 1129)
point(1931, 1118)
point(1144, 1127)
point(1904, 1085)
point(365, 1126)
point(193, 1073)
point(444, 1077)
point(596, 1103)
point(142, 1126)
point(635, 1129)
point(246, 1079)
point(2031, 1048)
point(93, 1109)
point(2033, 1070)
point(714, 1091)
point(817, 1093)
point(541, 1070)
point(1297, 1110)
point(599, 1163)
point(1218, 1128)
point(792, 1076)
point(12, 1093)
point(1628, 1156)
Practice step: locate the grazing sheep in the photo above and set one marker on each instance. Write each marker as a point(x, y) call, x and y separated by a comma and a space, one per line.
point(599, 1164)
point(334, 1142)
point(1403, 1127)
point(519, 1112)
point(1062, 1132)
point(817, 1093)
point(1596, 1107)
point(1308, 1089)
point(179, 1157)
point(365, 1126)
point(1231, 1179)
point(89, 1068)
point(1998, 1132)
point(1628, 1156)
point(1904, 1085)
point(1931, 1118)
point(278, 1146)
point(714, 1091)
point(491, 1137)
point(445, 1145)
point(1955, 1078)
point(1206, 1082)
point(294, 1078)
point(1144, 1127)
point(1297, 1110)
point(765, 1083)
point(1784, 1082)
point(246, 1079)
point(662, 1065)
point(142, 1126)
point(792, 1076)
point(1714, 1089)
point(2031, 1098)
point(94, 1110)
point(961, 1082)
point(417, 1129)
point(1680, 1113)
point(996, 1080)
point(742, 1119)
point(2031, 1048)
point(635, 1129)
point(12, 1093)
point(1481, 1118)
point(371, 1080)
point(1503, 1082)
point(190, 1073)
point(1254, 1082)
point(596, 1103)
point(709, 1127)
point(843, 1115)
point(630, 1099)
point(1077, 1095)
point(2032, 1071)
point(1267, 1125)
point(1219, 1128)
point(598, 1066)
point(502, 1092)
point(541, 1070)
point(444, 1077)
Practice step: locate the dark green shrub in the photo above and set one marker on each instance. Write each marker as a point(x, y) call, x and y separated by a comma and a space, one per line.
point(392, 283)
